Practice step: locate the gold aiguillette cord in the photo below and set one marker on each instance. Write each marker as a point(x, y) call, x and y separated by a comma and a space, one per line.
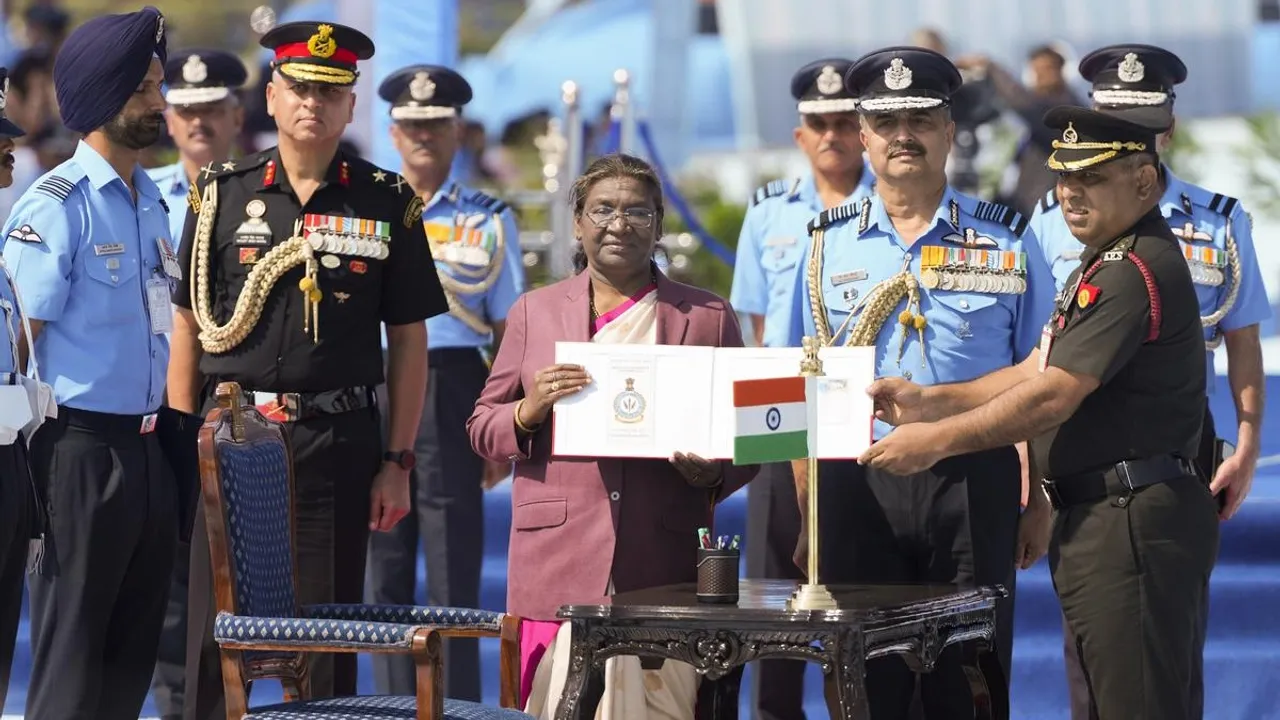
point(310, 290)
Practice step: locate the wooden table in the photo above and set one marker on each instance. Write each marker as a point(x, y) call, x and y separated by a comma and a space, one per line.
point(872, 621)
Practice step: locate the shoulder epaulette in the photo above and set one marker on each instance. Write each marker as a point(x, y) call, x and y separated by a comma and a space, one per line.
point(1049, 201)
point(57, 187)
point(231, 167)
point(770, 189)
point(487, 201)
point(1224, 205)
point(997, 213)
point(828, 217)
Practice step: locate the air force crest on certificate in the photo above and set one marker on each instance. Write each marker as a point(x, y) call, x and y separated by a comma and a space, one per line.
point(629, 405)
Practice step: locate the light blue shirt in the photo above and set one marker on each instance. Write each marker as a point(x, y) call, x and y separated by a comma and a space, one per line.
point(476, 248)
point(1199, 218)
point(967, 334)
point(172, 181)
point(81, 254)
point(772, 248)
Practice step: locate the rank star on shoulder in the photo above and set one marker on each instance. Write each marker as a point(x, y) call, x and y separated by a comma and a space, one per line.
point(229, 165)
point(379, 176)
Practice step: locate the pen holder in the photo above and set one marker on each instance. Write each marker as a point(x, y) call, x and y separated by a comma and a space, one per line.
point(718, 575)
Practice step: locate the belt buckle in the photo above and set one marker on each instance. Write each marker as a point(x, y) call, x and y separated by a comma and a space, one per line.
point(148, 424)
point(291, 404)
point(271, 405)
point(1122, 472)
point(1051, 491)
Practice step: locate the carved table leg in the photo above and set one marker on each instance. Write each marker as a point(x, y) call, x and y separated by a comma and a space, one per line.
point(584, 685)
point(718, 699)
point(845, 686)
point(987, 681)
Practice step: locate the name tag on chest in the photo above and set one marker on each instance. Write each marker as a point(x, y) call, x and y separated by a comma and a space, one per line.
point(108, 249)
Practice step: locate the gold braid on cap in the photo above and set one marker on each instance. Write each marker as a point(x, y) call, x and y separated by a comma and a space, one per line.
point(1233, 263)
point(1070, 141)
point(215, 338)
point(310, 72)
point(453, 287)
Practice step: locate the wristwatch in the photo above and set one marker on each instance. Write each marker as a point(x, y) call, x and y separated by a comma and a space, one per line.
point(404, 458)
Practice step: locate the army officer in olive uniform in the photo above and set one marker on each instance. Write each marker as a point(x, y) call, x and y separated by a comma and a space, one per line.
point(341, 250)
point(475, 243)
point(1113, 402)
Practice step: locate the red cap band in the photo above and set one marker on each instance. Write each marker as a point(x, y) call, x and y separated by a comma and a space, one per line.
point(300, 51)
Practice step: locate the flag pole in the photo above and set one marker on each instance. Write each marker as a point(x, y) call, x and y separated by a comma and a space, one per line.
point(812, 595)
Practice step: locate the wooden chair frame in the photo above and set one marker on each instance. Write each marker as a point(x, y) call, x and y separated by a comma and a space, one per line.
point(235, 422)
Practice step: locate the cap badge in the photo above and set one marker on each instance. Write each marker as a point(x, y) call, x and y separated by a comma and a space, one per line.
point(1131, 70)
point(194, 70)
point(897, 76)
point(421, 88)
point(159, 29)
point(1069, 135)
point(322, 44)
point(829, 81)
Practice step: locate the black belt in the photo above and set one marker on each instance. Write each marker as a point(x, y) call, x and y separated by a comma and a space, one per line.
point(453, 356)
point(109, 423)
point(295, 407)
point(1120, 480)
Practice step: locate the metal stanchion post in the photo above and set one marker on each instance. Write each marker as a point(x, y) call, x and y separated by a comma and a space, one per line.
point(812, 595)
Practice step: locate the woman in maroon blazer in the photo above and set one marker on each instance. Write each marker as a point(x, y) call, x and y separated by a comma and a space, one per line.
point(584, 528)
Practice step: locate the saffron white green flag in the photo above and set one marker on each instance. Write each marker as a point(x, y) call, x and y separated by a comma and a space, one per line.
point(772, 420)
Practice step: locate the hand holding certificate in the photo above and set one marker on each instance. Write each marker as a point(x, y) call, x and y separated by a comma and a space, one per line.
point(651, 401)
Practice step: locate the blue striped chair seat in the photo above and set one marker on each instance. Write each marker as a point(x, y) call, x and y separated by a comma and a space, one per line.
point(378, 706)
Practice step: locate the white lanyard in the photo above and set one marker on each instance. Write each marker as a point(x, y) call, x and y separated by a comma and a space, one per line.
point(26, 326)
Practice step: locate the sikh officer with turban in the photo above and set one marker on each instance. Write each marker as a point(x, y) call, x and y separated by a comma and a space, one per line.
point(89, 250)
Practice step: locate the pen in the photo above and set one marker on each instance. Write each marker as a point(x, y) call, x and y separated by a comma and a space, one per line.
point(734, 544)
point(704, 538)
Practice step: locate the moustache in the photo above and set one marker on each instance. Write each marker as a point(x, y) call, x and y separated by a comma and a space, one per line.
point(907, 146)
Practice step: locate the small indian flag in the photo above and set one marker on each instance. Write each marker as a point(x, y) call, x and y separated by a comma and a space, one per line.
point(772, 420)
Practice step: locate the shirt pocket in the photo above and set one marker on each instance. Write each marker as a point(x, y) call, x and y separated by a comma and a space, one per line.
point(352, 285)
point(113, 285)
point(780, 263)
point(964, 315)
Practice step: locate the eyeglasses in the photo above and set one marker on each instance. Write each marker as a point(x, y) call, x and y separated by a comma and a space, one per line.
point(635, 217)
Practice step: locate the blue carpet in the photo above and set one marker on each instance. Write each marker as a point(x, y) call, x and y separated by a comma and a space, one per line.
point(1242, 656)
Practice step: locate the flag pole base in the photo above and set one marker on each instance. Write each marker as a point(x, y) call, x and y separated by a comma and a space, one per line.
point(812, 597)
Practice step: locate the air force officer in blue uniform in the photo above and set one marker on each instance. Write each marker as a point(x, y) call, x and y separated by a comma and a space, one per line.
point(476, 248)
point(946, 288)
point(90, 251)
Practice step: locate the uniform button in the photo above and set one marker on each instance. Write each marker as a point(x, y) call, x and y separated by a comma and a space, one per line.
point(964, 304)
point(906, 375)
point(615, 496)
point(153, 354)
point(1122, 501)
point(279, 359)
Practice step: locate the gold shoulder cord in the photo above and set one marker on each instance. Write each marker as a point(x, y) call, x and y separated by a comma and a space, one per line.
point(215, 338)
point(1212, 320)
point(453, 288)
point(817, 306)
point(872, 311)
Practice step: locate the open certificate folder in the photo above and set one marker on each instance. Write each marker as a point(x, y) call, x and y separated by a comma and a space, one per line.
point(650, 401)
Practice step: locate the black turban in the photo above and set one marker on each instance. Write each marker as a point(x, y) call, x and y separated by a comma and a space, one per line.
point(102, 63)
